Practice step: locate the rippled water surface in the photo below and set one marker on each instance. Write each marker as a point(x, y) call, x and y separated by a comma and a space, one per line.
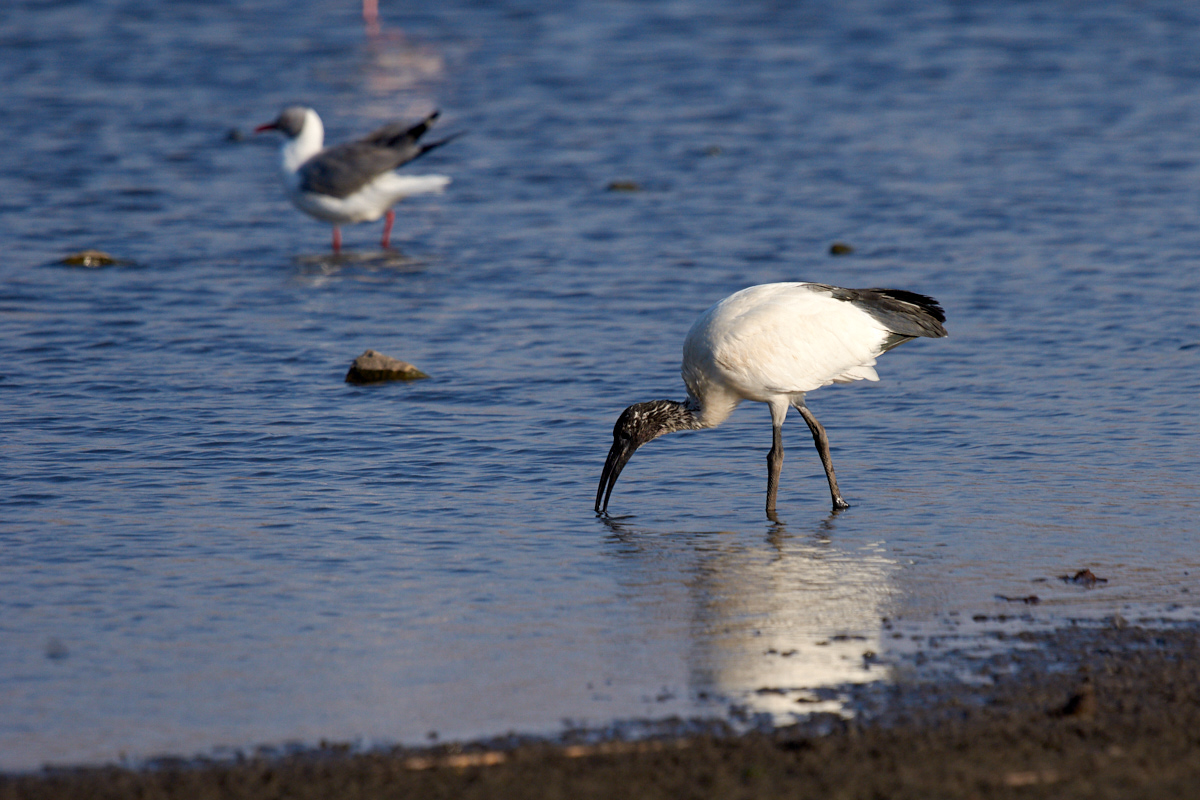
point(208, 539)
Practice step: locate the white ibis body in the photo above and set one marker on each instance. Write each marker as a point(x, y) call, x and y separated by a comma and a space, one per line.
point(773, 343)
point(355, 181)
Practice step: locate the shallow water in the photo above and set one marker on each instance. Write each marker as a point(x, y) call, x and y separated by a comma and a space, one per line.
point(208, 540)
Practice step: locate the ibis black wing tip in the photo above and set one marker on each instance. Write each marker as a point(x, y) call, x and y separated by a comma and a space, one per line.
point(901, 311)
point(922, 301)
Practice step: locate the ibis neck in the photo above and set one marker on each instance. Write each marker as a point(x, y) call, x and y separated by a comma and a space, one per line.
point(712, 411)
point(671, 416)
point(686, 416)
point(643, 422)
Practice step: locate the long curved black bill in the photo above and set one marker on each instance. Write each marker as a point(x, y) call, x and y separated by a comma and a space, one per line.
point(618, 457)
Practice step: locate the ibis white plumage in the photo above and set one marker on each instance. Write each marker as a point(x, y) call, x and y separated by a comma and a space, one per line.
point(774, 343)
point(354, 181)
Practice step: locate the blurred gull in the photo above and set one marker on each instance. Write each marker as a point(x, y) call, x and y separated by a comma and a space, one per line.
point(354, 181)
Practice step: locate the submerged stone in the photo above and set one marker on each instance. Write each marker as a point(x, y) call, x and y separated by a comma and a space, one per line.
point(372, 367)
point(840, 249)
point(91, 259)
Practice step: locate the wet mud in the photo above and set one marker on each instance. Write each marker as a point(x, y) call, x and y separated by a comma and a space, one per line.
point(1096, 712)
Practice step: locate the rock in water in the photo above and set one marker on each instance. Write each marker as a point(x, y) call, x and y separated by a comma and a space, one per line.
point(91, 259)
point(372, 367)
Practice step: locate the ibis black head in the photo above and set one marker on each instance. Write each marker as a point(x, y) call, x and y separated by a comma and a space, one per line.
point(638, 424)
point(289, 122)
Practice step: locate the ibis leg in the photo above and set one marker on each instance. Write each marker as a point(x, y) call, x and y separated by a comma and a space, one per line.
point(822, 442)
point(774, 467)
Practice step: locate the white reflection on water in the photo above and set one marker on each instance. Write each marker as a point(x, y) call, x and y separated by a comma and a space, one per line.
point(771, 622)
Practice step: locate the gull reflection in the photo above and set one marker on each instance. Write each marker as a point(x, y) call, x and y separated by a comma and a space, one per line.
point(775, 623)
point(401, 75)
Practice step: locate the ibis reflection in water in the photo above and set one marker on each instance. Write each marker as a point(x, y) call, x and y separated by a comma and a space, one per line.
point(773, 343)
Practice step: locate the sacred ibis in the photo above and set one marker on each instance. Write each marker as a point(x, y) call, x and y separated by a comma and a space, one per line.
point(773, 343)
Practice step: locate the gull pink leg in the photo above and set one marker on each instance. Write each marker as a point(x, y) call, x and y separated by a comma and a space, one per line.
point(387, 227)
point(337, 239)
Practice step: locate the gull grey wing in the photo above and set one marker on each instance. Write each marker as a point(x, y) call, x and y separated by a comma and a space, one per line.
point(397, 134)
point(343, 169)
point(401, 138)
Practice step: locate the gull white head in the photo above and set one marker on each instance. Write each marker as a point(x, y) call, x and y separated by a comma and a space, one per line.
point(304, 134)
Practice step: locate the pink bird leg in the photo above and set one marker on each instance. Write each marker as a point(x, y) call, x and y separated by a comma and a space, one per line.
point(371, 15)
point(387, 227)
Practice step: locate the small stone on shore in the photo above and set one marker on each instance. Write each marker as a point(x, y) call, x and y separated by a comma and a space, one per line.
point(373, 367)
point(1084, 577)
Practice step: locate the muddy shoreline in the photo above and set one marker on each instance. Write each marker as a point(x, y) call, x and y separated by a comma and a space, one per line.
point(1084, 711)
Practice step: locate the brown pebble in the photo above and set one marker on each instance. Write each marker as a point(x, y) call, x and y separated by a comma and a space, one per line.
point(1031, 777)
point(624, 186)
point(91, 259)
point(1082, 704)
point(840, 249)
point(1084, 577)
point(1029, 600)
point(373, 367)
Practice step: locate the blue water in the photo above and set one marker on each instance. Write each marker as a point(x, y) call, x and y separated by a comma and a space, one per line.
point(208, 540)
